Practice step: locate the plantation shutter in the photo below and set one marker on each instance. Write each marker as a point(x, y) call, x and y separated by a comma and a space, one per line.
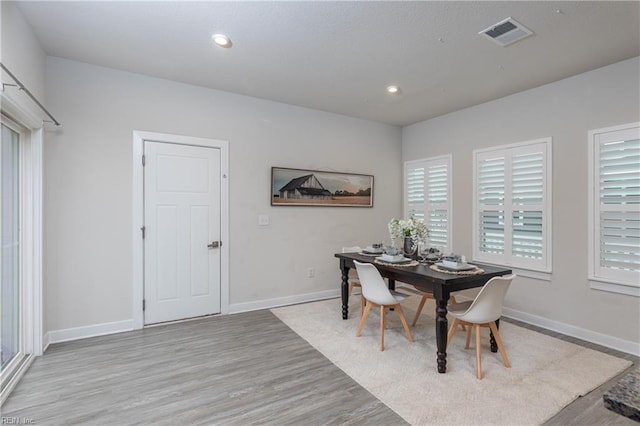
point(428, 197)
point(491, 187)
point(618, 215)
point(527, 197)
point(437, 184)
point(415, 184)
point(512, 201)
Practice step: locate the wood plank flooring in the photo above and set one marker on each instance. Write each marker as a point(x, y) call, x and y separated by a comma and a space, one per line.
point(241, 369)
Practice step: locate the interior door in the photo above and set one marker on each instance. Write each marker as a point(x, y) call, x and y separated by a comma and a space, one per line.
point(182, 231)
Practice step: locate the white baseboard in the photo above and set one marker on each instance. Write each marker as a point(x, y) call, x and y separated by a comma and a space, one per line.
point(65, 335)
point(283, 301)
point(69, 334)
point(6, 391)
point(621, 345)
point(616, 343)
point(45, 342)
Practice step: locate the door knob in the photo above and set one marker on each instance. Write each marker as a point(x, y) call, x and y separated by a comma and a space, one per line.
point(214, 244)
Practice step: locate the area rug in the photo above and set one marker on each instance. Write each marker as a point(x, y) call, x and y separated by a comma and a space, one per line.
point(546, 374)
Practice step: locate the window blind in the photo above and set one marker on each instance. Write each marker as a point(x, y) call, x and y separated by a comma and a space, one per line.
point(415, 188)
point(527, 198)
point(512, 201)
point(428, 197)
point(619, 203)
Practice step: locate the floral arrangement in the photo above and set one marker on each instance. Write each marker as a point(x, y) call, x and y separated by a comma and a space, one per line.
point(412, 228)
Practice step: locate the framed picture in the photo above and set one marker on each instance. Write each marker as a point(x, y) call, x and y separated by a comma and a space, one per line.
point(300, 187)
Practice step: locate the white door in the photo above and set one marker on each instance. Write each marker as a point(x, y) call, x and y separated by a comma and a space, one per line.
point(182, 231)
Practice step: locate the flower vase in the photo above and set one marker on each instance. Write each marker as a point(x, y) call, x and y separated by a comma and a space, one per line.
point(408, 247)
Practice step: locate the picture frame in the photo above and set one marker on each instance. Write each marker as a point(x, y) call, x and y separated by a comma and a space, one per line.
point(304, 187)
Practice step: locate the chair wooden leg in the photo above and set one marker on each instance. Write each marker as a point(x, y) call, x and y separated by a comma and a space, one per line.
point(420, 306)
point(363, 319)
point(478, 352)
point(452, 330)
point(382, 326)
point(404, 322)
point(496, 334)
point(453, 300)
point(363, 302)
point(466, 343)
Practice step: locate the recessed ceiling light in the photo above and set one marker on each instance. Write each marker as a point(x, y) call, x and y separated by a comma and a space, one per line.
point(393, 89)
point(221, 40)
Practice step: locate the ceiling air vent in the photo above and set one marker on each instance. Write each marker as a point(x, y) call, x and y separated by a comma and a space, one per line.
point(506, 32)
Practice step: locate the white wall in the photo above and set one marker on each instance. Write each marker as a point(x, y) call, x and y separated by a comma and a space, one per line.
point(565, 110)
point(88, 188)
point(21, 52)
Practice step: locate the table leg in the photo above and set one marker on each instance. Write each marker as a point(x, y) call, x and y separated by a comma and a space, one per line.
point(345, 292)
point(442, 326)
point(492, 339)
point(392, 284)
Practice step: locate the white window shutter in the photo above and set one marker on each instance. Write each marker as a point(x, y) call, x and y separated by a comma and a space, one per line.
point(512, 224)
point(428, 197)
point(437, 184)
point(415, 191)
point(490, 192)
point(615, 205)
point(527, 197)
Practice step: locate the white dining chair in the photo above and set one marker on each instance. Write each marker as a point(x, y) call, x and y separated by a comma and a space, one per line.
point(377, 294)
point(355, 283)
point(483, 311)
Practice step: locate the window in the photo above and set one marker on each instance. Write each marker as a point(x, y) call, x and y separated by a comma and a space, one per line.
point(428, 197)
point(10, 297)
point(614, 208)
point(21, 235)
point(512, 202)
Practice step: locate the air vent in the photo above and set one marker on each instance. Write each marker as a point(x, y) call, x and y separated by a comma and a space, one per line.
point(506, 32)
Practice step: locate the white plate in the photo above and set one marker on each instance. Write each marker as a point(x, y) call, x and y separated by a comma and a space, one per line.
point(459, 267)
point(403, 260)
point(371, 250)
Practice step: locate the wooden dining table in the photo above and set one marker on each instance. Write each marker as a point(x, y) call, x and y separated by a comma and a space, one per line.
point(422, 277)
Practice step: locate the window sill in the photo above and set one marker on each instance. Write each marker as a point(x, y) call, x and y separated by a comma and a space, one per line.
point(528, 273)
point(611, 287)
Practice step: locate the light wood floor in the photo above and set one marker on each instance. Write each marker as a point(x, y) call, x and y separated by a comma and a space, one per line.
point(238, 369)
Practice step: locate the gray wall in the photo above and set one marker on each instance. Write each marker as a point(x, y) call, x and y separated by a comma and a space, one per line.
point(565, 110)
point(88, 187)
point(21, 51)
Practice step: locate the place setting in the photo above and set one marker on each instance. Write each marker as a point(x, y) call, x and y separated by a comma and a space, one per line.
point(393, 256)
point(455, 264)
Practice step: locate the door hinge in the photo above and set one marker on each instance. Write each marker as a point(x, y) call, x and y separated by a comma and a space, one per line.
point(143, 229)
point(144, 160)
point(144, 304)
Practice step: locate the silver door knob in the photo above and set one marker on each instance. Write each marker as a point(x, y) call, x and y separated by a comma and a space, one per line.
point(214, 244)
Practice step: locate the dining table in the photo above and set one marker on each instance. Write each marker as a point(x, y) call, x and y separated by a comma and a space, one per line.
point(423, 277)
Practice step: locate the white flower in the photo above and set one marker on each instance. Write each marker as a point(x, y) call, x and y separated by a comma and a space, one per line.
point(412, 227)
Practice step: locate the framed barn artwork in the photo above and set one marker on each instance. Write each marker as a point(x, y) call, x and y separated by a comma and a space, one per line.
point(301, 187)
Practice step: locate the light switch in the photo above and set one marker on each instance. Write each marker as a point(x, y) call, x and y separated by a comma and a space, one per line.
point(263, 220)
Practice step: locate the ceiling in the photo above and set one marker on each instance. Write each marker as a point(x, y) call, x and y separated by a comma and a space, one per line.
point(340, 56)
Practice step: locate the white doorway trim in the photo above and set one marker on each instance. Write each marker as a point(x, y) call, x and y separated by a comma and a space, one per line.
point(138, 215)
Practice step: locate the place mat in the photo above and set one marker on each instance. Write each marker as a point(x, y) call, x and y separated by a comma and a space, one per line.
point(476, 271)
point(400, 265)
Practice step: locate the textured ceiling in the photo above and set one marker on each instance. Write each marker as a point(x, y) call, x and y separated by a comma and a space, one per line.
point(340, 56)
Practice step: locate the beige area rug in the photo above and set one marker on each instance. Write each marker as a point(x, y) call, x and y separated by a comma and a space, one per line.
point(546, 375)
